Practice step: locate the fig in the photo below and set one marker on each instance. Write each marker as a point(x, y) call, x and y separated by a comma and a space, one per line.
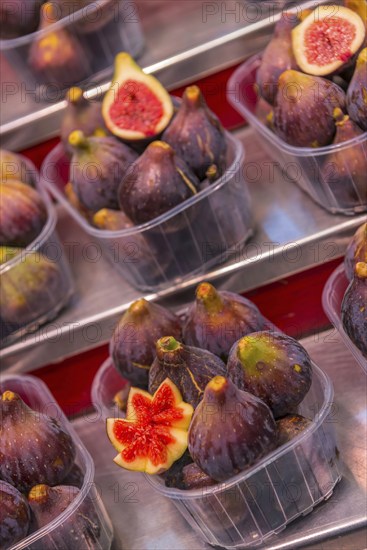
point(277, 58)
point(188, 367)
point(157, 181)
point(112, 220)
point(218, 319)
point(274, 367)
point(81, 529)
point(15, 515)
point(81, 114)
point(356, 251)
point(353, 308)
point(230, 430)
point(22, 214)
point(136, 107)
point(154, 434)
point(97, 166)
point(303, 111)
point(327, 39)
point(19, 17)
point(75, 202)
point(195, 478)
point(35, 448)
point(75, 477)
point(290, 426)
point(174, 476)
point(197, 135)
point(65, 8)
point(132, 346)
point(344, 170)
point(14, 167)
point(357, 92)
point(360, 7)
point(56, 56)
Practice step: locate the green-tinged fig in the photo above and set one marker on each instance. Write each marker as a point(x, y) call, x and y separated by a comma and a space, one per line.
point(195, 478)
point(22, 214)
point(290, 426)
point(356, 251)
point(345, 170)
point(35, 448)
point(56, 55)
point(272, 366)
point(136, 107)
point(197, 135)
point(15, 515)
point(31, 288)
point(14, 167)
point(230, 430)
point(354, 307)
point(19, 17)
point(111, 220)
point(132, 346)
point(82, 529)
point(75, 477)
point(303, 111)
point(357, 92)
point(217, 319)
point(81, 114)
point(155, 183)
point(327, 39)
point(277, 58)
point(75, 202)
point(97, 166)
point(188, 367)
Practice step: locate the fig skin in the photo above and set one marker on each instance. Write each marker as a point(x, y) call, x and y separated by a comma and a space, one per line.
point(174, 476)
point(218, 318)
point(189, 368)
point(97, 166)
point(132, 346)
point(274, 367)
point(197, 135)
point(303, 111)
point(75, 477)
point(35, 448)
point(231, 430)
point(22, 214)
point(155, 183)
point(353, 309)
point(356, 251)
point(357, 92)
point(14, 167)
point(15, 515)
point(195, 478)
point(111, 220)
point(80, 530)
point(75, 202)
point(19, 17)
point(290, 426)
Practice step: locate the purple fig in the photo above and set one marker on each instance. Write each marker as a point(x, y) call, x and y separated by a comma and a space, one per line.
point(357, 92)
point(290, 426)
point(111, 220)
point(195, 478)
point(189, 368)
point(15, 516)
point(356, 251)
point(75, 477)
point(196, 134)
point(14, 168)
point(75, 202)
point(217, 319)
point(272, 366)
point(353, 309)
point(230, 430)
point(173, 477)
point(19, 17)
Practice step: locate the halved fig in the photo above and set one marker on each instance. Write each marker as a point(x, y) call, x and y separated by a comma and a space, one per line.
point(327, 39)
point(136, 106)
point(154, 434)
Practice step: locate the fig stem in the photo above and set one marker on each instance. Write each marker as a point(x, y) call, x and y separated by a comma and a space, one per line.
point(139, 306)
point(74, 95)
point(361, 270)
point(217, 383)
point(77, 139)
point(9, 396)
point(168, 343)
point(208, 295)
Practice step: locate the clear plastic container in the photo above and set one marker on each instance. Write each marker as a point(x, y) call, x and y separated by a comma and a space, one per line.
point(185, 241)
point(36, 394)
point(249, 508)
point(301, 165)
point(22, 308)
point(332, 298)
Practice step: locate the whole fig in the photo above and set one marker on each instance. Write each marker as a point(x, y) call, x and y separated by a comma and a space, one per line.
point(353, 309)
point(14, 168)
point(195, 478)
point(356, 251)
point(111, 220)
point(15, 515)
point(357, 92)
point(290, 426)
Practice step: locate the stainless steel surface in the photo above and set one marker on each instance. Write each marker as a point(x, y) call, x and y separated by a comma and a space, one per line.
point(185, 40)
point(144, 520)
point(292, 234)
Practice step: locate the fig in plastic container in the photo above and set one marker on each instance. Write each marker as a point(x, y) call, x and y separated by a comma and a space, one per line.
point(274, 367)
point(82, 529)
point(75, 202)
point(303, 111)
point(357, 92)
point(218, 318)
point(111, 220)
point(14, 168)
point(290, 426)
point(15, 515)
point(157, 181)
point(35, 448)
point(97, 167)
point(230, 430)
point(137, 107)
point(188, 367)
point(75, 477)
point(327, 39)
point(195, 478)
point(22, 214)
point(354, 307)
point(356, 251)
point(133, 343)
point(154, 434)
point(197, 135)
point(18, 17)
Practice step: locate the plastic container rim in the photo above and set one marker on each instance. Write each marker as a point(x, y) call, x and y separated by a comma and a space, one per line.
point(285, 147)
